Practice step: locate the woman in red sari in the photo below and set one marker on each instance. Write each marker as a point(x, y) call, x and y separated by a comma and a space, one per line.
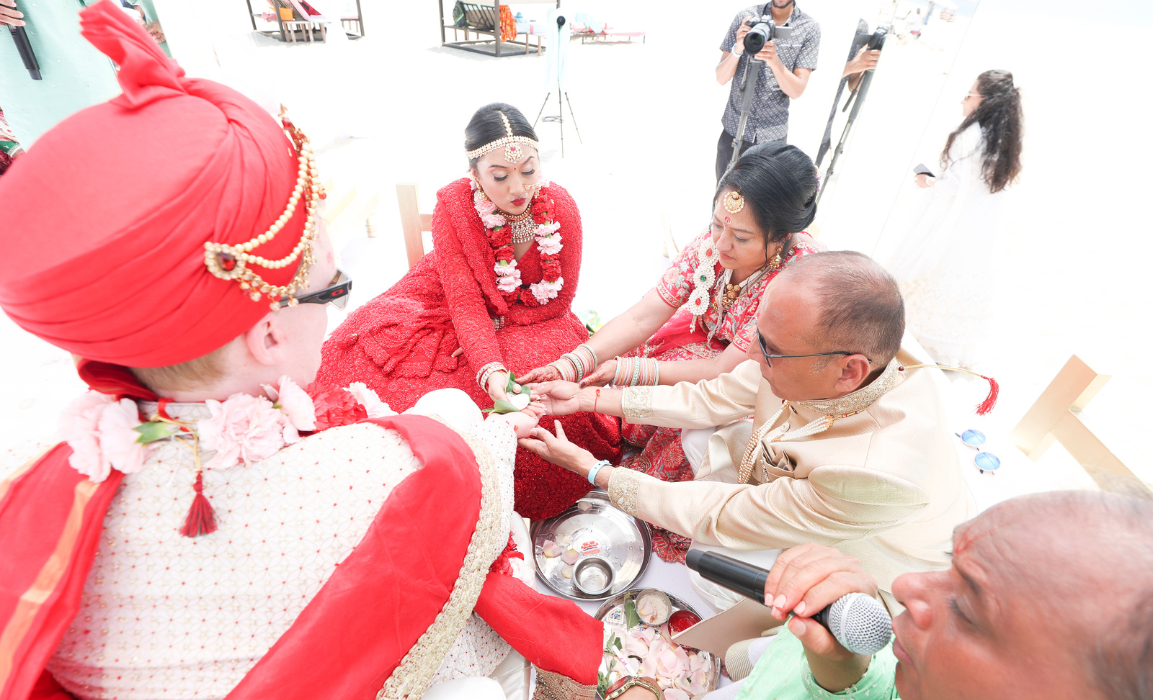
point(700, 319)
point(492, 297)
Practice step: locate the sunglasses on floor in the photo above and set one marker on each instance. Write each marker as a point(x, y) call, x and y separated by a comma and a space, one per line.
point(987, 462)
point(335, 294)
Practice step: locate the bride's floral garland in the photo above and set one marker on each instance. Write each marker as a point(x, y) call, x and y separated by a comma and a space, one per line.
point(548, 240)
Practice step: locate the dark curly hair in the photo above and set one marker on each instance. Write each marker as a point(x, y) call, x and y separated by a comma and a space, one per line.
point(780, 183)
point(1001, 129)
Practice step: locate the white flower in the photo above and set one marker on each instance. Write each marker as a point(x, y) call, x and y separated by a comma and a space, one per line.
point(118, 436)
point(506, 269)
point(550, 245)
point(294, 402)
point(244, 429)
point(367, 397)
point(547, 229)
point(545, 290)
point(508, 285)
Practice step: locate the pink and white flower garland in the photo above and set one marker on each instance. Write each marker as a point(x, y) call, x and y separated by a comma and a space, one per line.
point(107, 434)
point(548, 240)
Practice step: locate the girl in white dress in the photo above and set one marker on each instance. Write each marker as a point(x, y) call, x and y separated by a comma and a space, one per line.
point(948, 290)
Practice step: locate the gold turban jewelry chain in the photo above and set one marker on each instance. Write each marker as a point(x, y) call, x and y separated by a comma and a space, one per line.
point(232, 262)
point(513, 152)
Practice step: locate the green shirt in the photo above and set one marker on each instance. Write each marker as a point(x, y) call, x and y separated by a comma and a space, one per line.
point(782, 673)
point(76, 75)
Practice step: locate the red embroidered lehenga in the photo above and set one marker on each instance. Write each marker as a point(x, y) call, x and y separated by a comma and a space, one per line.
point(401, 344)
point(661, 453)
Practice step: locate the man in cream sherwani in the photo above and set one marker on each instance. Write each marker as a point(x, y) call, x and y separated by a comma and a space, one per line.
point(846, 448)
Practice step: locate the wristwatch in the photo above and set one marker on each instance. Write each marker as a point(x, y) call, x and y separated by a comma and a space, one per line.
point(620, 687)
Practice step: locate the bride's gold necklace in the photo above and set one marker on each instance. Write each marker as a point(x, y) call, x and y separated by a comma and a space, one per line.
point(523, 227)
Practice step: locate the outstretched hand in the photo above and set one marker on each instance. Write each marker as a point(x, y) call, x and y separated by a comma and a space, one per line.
point(557, 450)
point(522, 421)
point(559, 398)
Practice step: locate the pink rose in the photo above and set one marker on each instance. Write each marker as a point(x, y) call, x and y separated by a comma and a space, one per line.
point(485, 206)
point(492, 220)
point(244, 429)
point(548, 229)
point(550, 245)
point(78, 427)
point(118, 436)
point(367, 397)
point(668, 665)
point(636, 646)
point(295, 403)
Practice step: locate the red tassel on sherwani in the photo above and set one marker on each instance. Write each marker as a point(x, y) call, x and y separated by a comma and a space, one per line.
point(201, 518)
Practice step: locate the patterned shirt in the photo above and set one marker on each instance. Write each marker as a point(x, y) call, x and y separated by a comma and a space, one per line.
point(769, 114)
point(738, 324)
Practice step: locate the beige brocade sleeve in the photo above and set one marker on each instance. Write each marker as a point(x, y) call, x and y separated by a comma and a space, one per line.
point(710, 402)
point(835, 504)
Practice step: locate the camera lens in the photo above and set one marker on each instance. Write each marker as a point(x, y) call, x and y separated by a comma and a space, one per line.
point(756, 39)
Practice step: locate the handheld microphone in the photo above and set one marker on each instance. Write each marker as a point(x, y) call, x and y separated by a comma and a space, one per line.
point(25, 48)
point(859, 622)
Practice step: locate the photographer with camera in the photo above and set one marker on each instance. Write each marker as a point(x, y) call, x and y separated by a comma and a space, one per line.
point(789, 59)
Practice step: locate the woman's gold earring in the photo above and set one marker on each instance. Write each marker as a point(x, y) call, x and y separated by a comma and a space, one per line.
point(483, 196)
point(775, 262)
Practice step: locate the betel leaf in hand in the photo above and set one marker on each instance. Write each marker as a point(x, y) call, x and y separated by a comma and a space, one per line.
point(501, 406)
point(511, 385)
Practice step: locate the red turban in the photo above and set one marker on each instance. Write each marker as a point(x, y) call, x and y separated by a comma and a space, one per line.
point(105, 218)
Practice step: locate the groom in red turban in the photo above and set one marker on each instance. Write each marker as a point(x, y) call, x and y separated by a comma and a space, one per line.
point(215, 524)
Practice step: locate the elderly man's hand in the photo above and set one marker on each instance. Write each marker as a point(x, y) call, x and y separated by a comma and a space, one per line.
point(803, 581)
point(558, 450)
point(9, 14)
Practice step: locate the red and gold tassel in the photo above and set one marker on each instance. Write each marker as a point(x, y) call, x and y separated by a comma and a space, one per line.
point(990, 401)
point(201, 518)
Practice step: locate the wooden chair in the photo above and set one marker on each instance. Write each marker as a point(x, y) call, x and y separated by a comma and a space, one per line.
point(412, 222)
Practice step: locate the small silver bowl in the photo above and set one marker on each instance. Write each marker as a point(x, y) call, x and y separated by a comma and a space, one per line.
point(593, 576)
point(660, 599)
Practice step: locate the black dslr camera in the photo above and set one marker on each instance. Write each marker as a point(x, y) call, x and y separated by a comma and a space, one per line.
point(875, 41)
point(763, 31)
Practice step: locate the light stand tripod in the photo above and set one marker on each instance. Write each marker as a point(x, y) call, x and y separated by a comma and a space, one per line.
point(559, 118)
point(752, 73)
point(876, 41)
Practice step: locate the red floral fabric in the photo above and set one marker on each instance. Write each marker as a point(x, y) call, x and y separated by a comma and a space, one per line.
point(660, 453)
point(401, 343)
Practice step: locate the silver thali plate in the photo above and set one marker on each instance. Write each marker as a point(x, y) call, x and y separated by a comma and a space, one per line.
point(614, 607)
point(593, 527)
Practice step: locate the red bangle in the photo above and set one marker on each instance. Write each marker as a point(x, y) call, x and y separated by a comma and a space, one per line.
point(598, 398)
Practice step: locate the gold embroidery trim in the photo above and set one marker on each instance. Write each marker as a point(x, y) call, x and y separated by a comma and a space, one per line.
point(623, 485)
point(637, 402)
point(410, 678)
point(554, 686)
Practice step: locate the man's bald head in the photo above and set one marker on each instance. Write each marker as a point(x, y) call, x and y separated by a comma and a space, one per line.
point(861, 309)
point(1084, 559)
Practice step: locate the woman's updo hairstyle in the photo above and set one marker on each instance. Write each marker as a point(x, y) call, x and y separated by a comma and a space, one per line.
point(780, 183)
point(486, 126)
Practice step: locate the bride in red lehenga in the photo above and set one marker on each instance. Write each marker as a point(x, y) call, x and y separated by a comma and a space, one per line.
point(494, 295)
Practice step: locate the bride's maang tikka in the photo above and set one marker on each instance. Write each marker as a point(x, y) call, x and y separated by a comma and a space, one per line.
point(513, 152)
point(232, 262)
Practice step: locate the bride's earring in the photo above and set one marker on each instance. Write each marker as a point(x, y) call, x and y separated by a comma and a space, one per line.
point(483, 196)
point(775, 262)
